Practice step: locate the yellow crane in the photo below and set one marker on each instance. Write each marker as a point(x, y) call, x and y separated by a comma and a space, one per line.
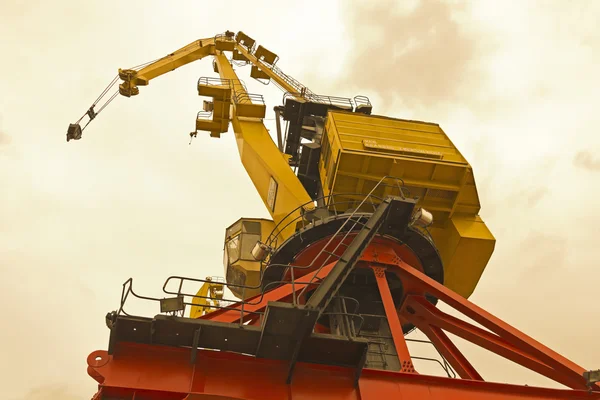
point(335, 152)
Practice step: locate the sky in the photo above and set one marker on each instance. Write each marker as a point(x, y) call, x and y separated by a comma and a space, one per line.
point(514, 85)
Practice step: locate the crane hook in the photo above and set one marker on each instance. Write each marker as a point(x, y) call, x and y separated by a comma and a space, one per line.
point(74, 132)
point(192, 136)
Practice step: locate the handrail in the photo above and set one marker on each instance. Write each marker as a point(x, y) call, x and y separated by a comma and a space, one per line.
point(361, 100)
point(445, 366)
point(281, 225)
point(349, 218)
point(248, 98)
point(232, 304)
point(204, 114)
point(209, 80)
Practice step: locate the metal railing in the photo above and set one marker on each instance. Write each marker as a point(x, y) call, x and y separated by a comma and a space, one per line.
point(225, 36)
point(337, 204)
point(232, 304)
point(362, 101)
point(333, 253)
point(234, 84)
point(290, 80)
point(301, 90)
point(204, 115)
point(353, 322)
point(335, 101)
point(441, 361)
point(212, 81)
point(243, 97)
point(238, 88)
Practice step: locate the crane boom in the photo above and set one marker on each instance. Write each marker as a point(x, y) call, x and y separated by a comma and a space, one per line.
point(194, 51)
point(275, 182)
point(268, 169)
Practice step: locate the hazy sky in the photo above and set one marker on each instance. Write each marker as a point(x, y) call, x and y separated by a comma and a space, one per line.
point(514, 84)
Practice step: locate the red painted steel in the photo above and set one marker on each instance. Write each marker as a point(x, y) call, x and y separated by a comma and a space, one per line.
point(152, 372)
point(450, 352)
point(393, 321)
point(257, 304)
point(509, 341)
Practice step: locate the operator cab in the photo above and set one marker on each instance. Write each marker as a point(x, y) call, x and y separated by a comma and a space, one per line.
point(242, 269)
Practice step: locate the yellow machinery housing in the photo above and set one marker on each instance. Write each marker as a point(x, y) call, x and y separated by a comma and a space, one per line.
point(357, 150)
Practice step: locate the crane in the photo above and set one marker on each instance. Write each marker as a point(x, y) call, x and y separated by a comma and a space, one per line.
point(374, 221)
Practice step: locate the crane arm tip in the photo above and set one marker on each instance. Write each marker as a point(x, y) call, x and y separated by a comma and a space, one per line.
point(74, 132)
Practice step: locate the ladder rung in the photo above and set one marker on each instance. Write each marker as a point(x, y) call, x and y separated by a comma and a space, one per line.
point(331, 254)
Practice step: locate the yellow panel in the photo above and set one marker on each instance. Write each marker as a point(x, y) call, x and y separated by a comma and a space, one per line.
point(224, 45)
point(217, 91)
point(210, 125)
point(265, 55)
point(358, 150)
point(239, 56)
point(244, 40)
point(257, 73)
point(221, 109)
point(390, 136)
point(250, 110)
point(419, 153)
point(465, 245)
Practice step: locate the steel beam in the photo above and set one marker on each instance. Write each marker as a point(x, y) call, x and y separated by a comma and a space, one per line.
point(154, 372)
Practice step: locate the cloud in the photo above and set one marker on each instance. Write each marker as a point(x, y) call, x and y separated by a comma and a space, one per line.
point(585, 160)
point(420, 55)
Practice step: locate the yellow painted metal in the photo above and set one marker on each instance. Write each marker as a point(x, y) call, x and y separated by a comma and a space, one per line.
point(245, 108)
point(465, 245)
point(208, 297)
point(265, 55)
point(246, 104)
point(358, 150)
point(224, 44)
point(262, 70)
point(245, 40)
point(274, 180)
point(192, 52)
point(257, 73)
point(215, 127)
point(238, 56)
point(217, 89)
point(221, 93)
point(241, 268)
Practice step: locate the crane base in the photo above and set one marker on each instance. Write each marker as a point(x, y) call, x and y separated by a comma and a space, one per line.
point(147, 372)
point(170, 357)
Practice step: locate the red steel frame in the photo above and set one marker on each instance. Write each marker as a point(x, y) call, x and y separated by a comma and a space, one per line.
point(147, 372)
